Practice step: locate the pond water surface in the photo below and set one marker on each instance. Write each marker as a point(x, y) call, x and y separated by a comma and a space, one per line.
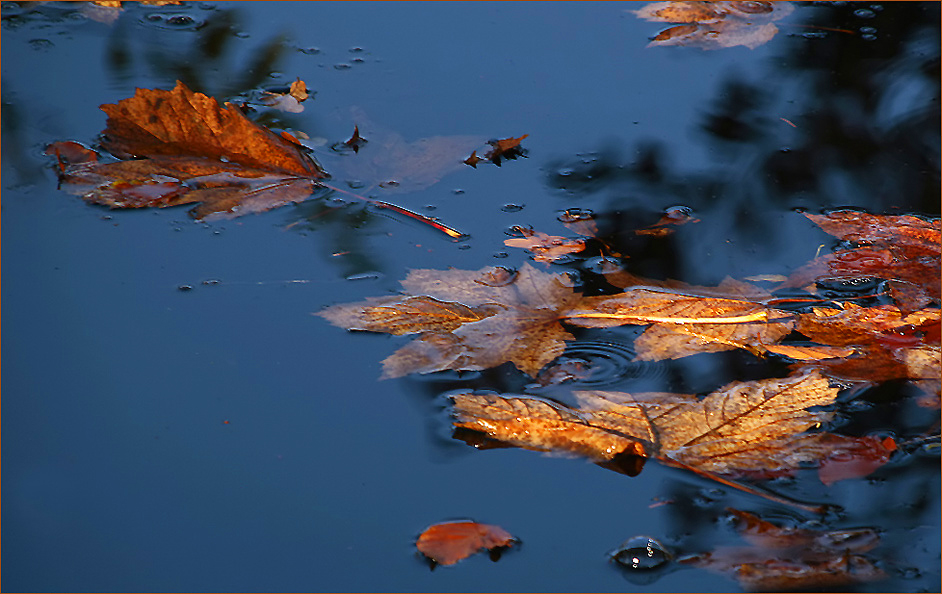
point(176, 419)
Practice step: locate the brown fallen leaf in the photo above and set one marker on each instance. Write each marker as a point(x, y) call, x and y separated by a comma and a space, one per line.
point(181, 147)
point(545, 248)
point(744, 429)
point(810, 352)
point(468, 320)
point(506, 149)
point(789, 559)
point(449, 542)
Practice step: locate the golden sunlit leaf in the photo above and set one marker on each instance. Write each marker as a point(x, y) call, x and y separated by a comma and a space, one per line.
point(684, 324)
point(449, 542)
point(746, 427)
point(809, 352)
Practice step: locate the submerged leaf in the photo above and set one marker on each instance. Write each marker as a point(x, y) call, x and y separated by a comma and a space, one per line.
point(788, 559)
point(468, 320)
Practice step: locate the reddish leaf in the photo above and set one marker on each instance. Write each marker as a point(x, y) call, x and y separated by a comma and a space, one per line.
point(450, 542)
point(904, 250)
point(856, 457)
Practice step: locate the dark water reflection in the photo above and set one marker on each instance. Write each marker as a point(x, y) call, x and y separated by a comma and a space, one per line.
point(222, 438)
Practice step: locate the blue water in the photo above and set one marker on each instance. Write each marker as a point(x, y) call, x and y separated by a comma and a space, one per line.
point(174, 416)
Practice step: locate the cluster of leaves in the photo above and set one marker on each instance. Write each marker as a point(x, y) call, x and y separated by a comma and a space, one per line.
point(715, 25)
point(473, 320)
point(181, 147)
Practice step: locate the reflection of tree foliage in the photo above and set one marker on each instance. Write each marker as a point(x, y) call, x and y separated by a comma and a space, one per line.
point(863, 132)
point(204, 64)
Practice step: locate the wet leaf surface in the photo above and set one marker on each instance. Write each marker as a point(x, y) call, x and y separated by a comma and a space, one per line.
point(450, 542)
point(181, 147)
point(745, 428)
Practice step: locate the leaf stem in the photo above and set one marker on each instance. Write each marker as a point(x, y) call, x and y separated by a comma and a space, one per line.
point(449, 231)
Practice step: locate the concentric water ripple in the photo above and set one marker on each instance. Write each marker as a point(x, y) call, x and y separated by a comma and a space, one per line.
point(598, 363)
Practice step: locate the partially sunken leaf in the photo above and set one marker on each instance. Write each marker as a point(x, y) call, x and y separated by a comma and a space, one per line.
point(745, 428)
point(389, 162)
point(468, 320)
point(182, 148)
point(450, 542)
point(545, 248)
point(786, 559)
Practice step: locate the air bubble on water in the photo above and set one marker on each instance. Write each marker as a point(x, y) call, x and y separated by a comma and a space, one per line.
point(242, 35)
point(501, 254)
point(868, 37)
point(457, 191)
point(573, 215)
point(864, 13)
point(355, 50)
point(867, 30)
point(275, 75)
point(342, 66)
point(358, 60)
point(310, 51)
point(641, 553)
point(565, 172)
point(185, 288)
point(512, 207)
point(602, 265)
point(211, 281)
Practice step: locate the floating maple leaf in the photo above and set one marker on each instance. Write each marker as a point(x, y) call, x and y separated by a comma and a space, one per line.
point(468, 320)
point(181, 147)
point(746, 428)
point(449, 542)
point(787, 559)
point(715, 25)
